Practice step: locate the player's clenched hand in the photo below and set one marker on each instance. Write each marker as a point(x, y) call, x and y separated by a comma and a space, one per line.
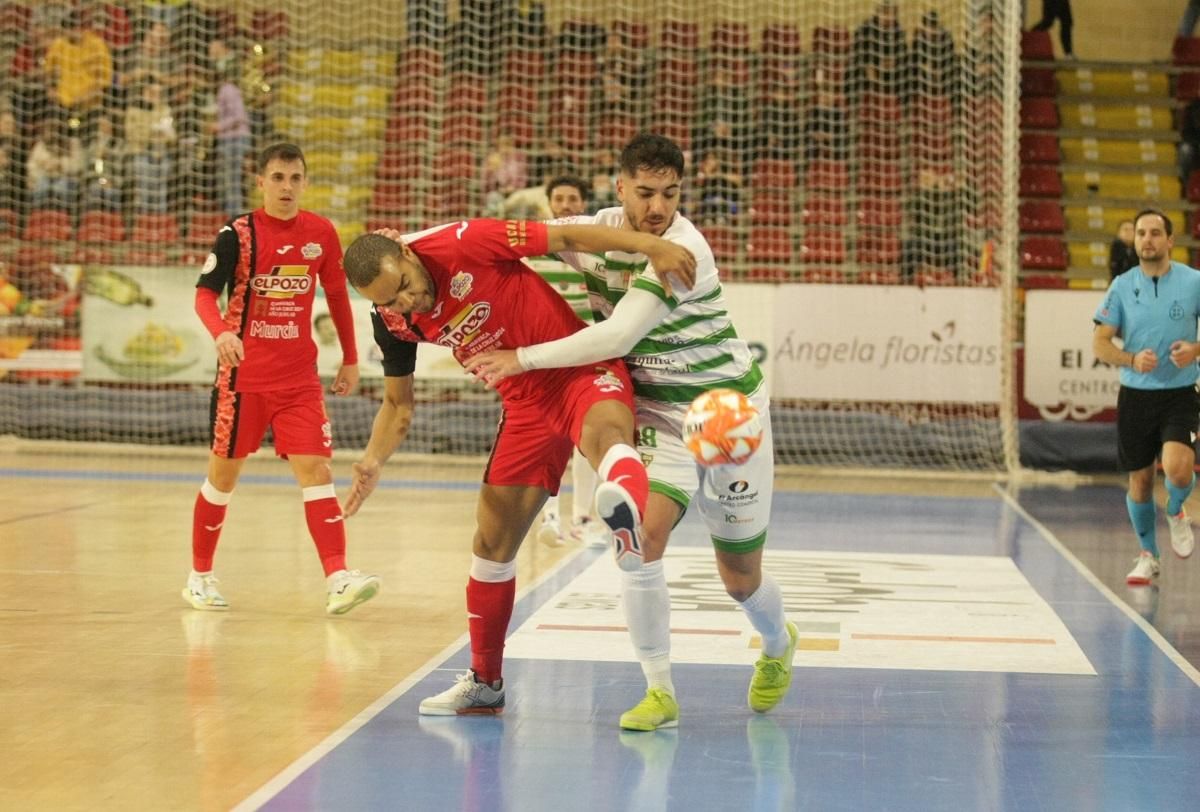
point(345, 380)
point(391, 233)
point(1183, 353)
point(229, 349)
point(366, 477)
point(493, 366)
point(672, 261)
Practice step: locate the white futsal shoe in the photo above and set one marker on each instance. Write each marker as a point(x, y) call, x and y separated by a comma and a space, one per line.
point(1145, 570)
point(1183, 537)
point(616, 508)
point(349, 588)
point(550, 533)
point(201, 593)
point(466, 697)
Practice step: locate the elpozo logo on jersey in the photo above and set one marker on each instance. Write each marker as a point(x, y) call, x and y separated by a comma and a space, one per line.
point(465, 325)
point(283, 282)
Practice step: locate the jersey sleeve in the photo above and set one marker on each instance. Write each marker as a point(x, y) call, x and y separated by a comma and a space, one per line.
point(1110, 312)
point(487, 241)
point(399, 356)
point(218, 270)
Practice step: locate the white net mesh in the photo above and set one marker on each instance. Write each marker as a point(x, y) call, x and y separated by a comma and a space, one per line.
point(835, 142)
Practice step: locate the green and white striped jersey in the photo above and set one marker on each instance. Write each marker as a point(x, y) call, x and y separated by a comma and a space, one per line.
point(566, 280)
point(696, 347)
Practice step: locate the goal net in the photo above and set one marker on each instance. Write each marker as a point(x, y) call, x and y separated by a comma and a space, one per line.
point(852, 163)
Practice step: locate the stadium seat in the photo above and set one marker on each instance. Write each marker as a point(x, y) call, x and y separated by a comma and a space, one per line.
point(932, 145)
point(1036, 46)
point(827, 175)
point(1041, 217)
point(521, 127)
point(767, 274)
point(877, 247)
point(1038, 82)
point(463, 128)
point(883, 108)
point(47, 225)
point(202, 228)
point(878, 276)
point(1040, 181)
point(823, 276)
point(1192, 188)
point(773, 173)
point(1042, 253)
point(416, 96)
point(781, 39)
point(573, 131)
point(10, 223)
point(405, 128)
point(454, 163)
point(1039, 114)
point(880, 178)
point(932, 110)
point(391, 197)
point(823, 246)
point(729, 37)
point(1186, 51)
point(679, 35)
point(671, 127)
point(467, 94)
point(878, 144)
point(879, 212)
point(769, 244)
point(524, 66)
point(934, 278)
point(160, 228)
point(267, 25)
point(822, 209)
point(575, 68)
point(615, 129)
point(1187, 86)
point(101, 227)
point(396, 162)
point(420, 62)
point(724, 243)
point(1039, 148)
point(737, 67)
point(770, 207)
point(514, 97)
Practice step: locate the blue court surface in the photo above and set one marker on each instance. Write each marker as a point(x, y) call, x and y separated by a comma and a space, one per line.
point(933, 675)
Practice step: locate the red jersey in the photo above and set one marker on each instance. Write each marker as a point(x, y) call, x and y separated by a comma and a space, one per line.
point(486, 299)
point(270, 268)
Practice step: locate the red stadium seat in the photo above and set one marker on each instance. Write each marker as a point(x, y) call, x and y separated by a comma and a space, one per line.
point(782, 39)
point(932, 110)
point(823, 246)
point(1041, 217)
point(823, 276)
point(1038, 82)
point(467, 94)
point(573, 130)
point(1192, 187)
point(463, 128)
point(576, 68)
point(878, 276)
point(879, 212)
point(1036, 46)
point(521, 127)
point(1040, 181)
point(1194, 217)
point(101, 227)
point(831, 41)
point(516, 98)
point(405, 128)
point(406, 162)
point(729, 37)
point(831, 176)
point(773, 173)
point(1044, 254)
point(724, 243)
point(417, 96)
point(392, 197)
point(47, 225)
point(770, 207)
point(634, 34)
point(1039, 114)
point(769, 244)
point(1187, 86)
point(878, 248)
point(454, 163)
point(524, 66)
point(879, 144)
point(776, 274)
point(934, 278)
point(203, 227)
point(156, 228)
point(420, 62)
point(615, 129)
point(1186, 51)
point(881, 108)
point(880, 178)
point(824, 210)
point(679, 35)
point(1039, 148)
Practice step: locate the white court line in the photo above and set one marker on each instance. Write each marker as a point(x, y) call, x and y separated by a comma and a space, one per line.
point(1141, 622)
point(291, 772)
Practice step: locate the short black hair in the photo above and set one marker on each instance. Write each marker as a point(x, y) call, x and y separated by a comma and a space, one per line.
point(363, 260)
point(579, 183)
point(282, 151)
point(1157, 213)
point(652, 152)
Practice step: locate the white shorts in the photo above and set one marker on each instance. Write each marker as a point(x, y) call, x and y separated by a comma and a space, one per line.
point(735, 500)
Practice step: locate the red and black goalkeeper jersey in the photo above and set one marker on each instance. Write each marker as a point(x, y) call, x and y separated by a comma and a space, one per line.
point(270, 269)
point(486, 299)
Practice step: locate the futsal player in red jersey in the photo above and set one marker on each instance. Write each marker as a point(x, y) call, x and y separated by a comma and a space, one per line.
point(464, 286)
point(270, 262)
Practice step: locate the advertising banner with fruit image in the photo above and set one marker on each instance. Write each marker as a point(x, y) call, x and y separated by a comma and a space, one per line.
point(39, 321)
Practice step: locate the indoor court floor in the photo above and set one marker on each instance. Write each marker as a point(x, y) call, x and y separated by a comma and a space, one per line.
point(963, 647)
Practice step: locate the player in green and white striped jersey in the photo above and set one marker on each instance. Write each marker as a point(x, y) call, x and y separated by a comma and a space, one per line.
point(677, 344)
point(568, 198)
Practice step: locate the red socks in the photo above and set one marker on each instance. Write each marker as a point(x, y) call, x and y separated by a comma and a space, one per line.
point(207, 517)
point(489, 609)
point(325, 524)
point(623, 466)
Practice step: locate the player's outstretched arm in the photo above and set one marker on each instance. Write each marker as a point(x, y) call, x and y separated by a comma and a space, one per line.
point(670, 260)
point(391, 426)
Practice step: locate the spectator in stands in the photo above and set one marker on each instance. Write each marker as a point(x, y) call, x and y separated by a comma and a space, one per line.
point(1188, 155)
point(149, 136)
point(550, 159)
point(55, 166)
point(1058, 10)
point(104, 168)
point(778, 129)
point(426, 21)
point(603, 168)
point(931, 59)
point(1187, 23)
point(12, 180)
point(232, 130)
point(717, 190)
point(10, 189)
point(825, 128)
point(879, 52)
point(722, 100)
point(1121, 254)
point(79, 69)
point(505, 170)
point(619, 61)
point(935, 210)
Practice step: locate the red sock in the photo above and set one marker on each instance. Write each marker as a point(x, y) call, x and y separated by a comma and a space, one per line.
point(328, 531)
point(489, 608)
point(207, 519)
point(635, 481)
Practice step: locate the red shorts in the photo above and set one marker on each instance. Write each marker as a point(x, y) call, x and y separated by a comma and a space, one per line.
point(536, 436)
point(296, 416)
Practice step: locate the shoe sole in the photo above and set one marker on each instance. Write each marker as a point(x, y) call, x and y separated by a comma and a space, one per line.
point(365, 594)
point(200, 605)
point(488, 711)
point(649, 728)
point(1138, 581)
point(616, 510)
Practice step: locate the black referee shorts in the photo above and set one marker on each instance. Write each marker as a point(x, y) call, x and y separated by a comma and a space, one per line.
point(1147, 418)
